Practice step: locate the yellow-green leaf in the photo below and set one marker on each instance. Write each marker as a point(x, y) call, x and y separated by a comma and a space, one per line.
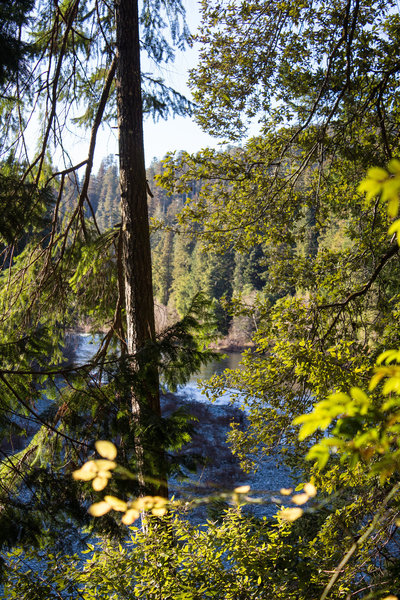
point(106, 449)
point(99, 509)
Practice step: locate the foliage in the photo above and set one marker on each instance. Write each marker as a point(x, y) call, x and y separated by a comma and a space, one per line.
point(324, 78)
point(329, 301)
point(59, 270)
point(13, 51)
point(366, 427)
point(332, 66)
point(329, 306)
point(172, 559)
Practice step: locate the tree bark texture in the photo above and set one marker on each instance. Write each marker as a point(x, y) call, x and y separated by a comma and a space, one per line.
point(136, 254)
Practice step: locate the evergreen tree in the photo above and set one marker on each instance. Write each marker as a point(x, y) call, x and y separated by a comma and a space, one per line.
point(183, 287)
point(162, 267)
point(108, 202)
point(65, 271)
point(213, 273)
point(13, 50)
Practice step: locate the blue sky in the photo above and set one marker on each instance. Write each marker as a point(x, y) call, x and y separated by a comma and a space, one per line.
point(180, 133)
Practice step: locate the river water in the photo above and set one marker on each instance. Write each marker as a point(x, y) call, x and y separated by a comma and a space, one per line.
point(220, 470)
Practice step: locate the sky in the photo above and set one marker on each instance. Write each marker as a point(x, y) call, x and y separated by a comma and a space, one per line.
point(161, 137)
point(179, 133)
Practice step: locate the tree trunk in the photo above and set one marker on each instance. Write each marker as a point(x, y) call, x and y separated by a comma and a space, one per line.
point(136, 254)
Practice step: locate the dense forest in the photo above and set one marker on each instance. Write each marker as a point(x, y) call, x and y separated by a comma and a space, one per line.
point(182, 267)
point(286, 242)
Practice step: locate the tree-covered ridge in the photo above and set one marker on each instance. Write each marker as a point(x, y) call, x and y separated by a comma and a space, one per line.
point(181, 266)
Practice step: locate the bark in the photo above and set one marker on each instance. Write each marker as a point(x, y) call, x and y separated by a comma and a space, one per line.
point(136, 254)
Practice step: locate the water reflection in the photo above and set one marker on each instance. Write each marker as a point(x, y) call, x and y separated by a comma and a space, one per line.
point(230, 360)
point(82, 347)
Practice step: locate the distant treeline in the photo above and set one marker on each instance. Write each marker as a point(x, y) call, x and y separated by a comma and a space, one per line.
point(181, 265)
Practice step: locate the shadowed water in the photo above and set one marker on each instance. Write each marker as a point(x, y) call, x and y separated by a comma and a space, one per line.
point(220, 469)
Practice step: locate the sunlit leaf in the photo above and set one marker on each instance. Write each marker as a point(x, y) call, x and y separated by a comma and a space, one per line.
point(99, 509)
point(242, 489)
point(99, 483)
point(130, 516)
point(291, 514)
point(106, 449)
point(300, 499)
point(116, 503)
point(310, 489)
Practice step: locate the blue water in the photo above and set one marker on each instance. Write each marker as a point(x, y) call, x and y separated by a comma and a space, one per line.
point(223, 470)
point(222, 473)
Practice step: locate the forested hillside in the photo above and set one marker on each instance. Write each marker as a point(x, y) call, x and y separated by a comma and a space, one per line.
point(181, 266)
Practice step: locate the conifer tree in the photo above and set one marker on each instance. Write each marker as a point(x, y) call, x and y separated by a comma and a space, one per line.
point(59, 269)
point(135, 233)
point(163, 267)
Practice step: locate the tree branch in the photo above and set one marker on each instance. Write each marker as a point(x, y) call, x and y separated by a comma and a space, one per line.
point(385, 258)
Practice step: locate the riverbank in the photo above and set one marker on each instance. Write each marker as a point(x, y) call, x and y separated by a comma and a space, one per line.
point(221, 344)
point(226, 344)
point(238, 339)
point(217, 468)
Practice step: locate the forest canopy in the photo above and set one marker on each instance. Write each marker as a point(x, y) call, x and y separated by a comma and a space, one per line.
point(291, 238)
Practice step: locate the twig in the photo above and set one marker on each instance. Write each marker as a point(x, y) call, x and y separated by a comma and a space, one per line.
point(360, 541)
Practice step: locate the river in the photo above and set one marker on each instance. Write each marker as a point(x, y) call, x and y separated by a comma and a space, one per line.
point(220, 469)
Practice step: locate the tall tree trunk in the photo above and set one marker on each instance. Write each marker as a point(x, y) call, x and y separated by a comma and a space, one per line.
point(139, 304)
